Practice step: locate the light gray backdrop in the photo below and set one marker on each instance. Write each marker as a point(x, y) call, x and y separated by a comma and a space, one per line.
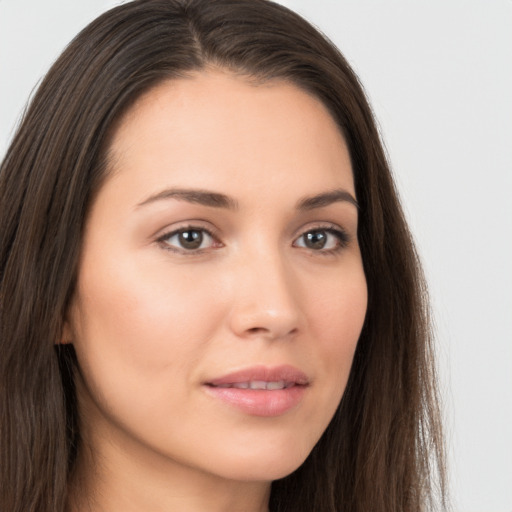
point(439, 76)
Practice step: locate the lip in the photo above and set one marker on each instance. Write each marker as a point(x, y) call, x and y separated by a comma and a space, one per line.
point(260, 402)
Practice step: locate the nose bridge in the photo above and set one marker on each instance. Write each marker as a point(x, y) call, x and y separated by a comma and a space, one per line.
point(266, 299)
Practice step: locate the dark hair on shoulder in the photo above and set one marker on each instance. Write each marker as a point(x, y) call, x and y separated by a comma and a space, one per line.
point(383, 450)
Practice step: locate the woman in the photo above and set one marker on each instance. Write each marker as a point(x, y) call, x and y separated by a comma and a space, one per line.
point(210, 298)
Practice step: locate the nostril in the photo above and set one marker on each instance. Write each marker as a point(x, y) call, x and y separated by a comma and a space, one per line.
point(271, 332)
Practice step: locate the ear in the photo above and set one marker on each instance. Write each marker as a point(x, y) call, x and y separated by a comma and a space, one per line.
point(66, 336)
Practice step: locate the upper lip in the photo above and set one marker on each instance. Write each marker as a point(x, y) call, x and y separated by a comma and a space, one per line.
point(286, 373)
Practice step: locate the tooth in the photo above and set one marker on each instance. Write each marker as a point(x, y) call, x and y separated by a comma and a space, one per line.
point(241, 385)
point(258, 384)
point(276, 385)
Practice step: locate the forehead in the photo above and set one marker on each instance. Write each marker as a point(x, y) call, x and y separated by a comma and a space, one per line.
point(216, 130)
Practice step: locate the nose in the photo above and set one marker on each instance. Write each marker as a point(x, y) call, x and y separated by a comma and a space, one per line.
point(266, 300)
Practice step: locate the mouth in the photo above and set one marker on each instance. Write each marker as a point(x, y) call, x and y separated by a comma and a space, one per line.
point(257, 384)
point(260, 390)
point(262, 377)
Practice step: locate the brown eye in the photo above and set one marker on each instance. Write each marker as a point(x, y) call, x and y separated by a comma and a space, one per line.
point(315, 239)
point(323, 240)
point(188, 240)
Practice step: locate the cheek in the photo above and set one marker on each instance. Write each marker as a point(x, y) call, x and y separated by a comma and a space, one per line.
point(336, 317)
point(338, 308)
point(138, 338)
point(141, 309)
point(138, 332)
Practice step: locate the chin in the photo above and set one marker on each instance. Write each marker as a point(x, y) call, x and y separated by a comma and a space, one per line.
point(263, 463)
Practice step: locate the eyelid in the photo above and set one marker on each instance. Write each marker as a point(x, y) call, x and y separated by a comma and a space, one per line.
point(188, 226)
point(344, 238)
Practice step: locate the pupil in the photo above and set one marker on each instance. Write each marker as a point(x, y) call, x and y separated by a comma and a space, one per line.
point(191, 239)
point(316, 239)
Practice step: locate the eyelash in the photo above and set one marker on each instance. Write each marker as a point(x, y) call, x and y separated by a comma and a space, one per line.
point(343, 239)
point(189, 252)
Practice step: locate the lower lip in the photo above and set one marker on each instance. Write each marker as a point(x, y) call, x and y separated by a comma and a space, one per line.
point(260, 402)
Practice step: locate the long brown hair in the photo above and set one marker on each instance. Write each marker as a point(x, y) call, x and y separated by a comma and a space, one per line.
point(382, 452)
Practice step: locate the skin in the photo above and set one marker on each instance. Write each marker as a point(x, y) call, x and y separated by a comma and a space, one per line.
point(152, 321)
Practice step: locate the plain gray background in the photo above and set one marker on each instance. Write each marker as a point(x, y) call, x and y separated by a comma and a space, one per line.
point(439, 76)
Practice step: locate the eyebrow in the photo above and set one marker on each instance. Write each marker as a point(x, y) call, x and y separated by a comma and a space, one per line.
point(218, 200)
point(325, 199)
point(197, 196)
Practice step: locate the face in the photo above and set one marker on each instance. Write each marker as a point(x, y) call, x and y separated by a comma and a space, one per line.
point(220, 291)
